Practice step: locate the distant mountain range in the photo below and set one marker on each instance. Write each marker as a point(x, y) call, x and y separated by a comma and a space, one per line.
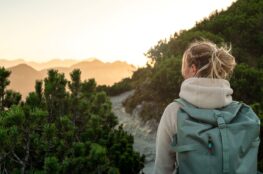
point(44, 65)
point(24, 74)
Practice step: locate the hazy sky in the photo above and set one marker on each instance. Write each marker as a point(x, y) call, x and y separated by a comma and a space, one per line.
point(41, 30)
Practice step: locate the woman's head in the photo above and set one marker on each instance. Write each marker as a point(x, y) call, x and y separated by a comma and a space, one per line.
point(205, 59)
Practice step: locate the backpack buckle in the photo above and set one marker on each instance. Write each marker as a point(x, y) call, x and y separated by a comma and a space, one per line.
point(221, 122)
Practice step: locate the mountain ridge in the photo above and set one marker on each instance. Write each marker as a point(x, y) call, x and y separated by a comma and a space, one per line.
point(23, 76)
point(53, 63)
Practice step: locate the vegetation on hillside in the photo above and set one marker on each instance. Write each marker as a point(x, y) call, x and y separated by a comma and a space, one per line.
point(117, 88)
point(59, 131)
point(240, 26)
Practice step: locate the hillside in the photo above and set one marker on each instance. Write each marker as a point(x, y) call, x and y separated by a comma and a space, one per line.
point(23, 76)
point(240, 26)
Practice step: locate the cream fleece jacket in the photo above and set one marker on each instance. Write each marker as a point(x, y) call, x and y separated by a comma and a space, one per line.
point(201, 92)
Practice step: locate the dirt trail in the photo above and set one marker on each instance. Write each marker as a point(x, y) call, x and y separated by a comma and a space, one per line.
point(144, 139)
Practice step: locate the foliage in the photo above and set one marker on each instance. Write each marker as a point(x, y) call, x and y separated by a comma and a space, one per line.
point(55, 94)
point(11, 98)
point(4, 82)
point(59, 131)
point(117, 88)
point(241, 25)
point(247, 84)
point(178, 43)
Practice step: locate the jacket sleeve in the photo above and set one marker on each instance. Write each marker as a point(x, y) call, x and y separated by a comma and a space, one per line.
point(165, 159)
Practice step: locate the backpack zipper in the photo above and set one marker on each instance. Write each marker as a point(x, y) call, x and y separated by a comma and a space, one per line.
point(210, 145)
point(210, 152)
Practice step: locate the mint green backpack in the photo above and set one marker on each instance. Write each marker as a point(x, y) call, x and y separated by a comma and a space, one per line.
point(216, 141)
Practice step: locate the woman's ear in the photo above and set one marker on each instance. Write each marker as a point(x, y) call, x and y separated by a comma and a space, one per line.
point(193, 70)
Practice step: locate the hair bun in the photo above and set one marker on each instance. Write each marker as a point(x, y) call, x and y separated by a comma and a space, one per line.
point(210, 60)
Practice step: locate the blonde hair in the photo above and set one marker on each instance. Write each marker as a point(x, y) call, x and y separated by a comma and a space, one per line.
point(211, 61)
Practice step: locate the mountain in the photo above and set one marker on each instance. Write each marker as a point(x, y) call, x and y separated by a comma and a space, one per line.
point(115, 71)
point(23, 76)
point(43, 65)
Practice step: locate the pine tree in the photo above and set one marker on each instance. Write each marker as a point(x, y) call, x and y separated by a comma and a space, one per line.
point(75, 86)
point(55, 94)
point(4, 82)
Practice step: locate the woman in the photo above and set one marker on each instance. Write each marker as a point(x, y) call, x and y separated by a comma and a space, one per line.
point(205, 68)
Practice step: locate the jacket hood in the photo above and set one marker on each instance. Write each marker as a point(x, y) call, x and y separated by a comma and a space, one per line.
point(206, 93)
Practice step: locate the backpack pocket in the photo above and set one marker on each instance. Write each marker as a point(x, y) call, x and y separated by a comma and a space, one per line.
point(190, 153)
point(247, 161)
point(186, 148)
